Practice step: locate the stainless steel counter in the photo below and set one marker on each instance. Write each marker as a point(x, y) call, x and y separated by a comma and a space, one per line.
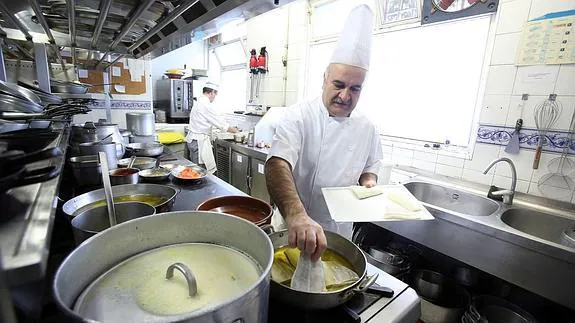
point(487, 242)
point(25, 238)
point(259, 153)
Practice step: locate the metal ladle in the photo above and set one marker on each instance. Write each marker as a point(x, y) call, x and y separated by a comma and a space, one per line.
point(107, 188)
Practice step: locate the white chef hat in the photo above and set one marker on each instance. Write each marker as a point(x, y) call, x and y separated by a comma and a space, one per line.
point(354, 44)
point(211, 85)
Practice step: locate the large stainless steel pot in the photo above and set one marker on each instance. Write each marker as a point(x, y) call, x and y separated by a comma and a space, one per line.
point(169, 193)
point(81, 268)
point(93, 148)
point(140, 123)
point(91, 132)
point(148, 149)
point(321, 301)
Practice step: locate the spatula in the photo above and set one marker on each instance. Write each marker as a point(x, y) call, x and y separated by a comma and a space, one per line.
point(513, 144)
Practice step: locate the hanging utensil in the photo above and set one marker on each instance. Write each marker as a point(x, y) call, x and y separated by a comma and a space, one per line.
point(563, 164)
point(19, 92)
point(546, 116)
point(513, 144)
point(107, 188)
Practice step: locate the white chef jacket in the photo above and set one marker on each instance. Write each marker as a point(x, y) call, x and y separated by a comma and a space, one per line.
point(325, 151)
point(204, 116)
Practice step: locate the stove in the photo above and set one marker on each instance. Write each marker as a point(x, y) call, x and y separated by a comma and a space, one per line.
point(403, 306)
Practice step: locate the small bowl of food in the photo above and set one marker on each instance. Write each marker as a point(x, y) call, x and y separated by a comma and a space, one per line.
point(191, 173)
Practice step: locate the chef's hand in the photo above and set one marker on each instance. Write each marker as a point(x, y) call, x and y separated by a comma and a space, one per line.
point(307, 235)
point(368, 180)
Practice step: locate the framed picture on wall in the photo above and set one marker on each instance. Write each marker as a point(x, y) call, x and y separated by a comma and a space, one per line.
point(443, 10)
point(397, 12)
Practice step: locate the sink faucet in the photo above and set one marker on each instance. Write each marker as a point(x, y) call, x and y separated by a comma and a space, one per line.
point(506, 194)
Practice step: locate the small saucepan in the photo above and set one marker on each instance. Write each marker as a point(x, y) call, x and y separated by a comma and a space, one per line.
point(121, 176)
point(156, 174)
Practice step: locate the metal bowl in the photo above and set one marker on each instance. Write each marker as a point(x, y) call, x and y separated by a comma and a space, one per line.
point(176, 171)
point(245, 207)
point(92, 221)
point(140, 163)
point(156, 174)
point(145, 149)
point(121, 176)
point(72, 206)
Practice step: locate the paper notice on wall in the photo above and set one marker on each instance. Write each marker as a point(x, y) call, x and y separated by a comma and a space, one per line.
point(83, 74)
point(548, 40)
point(120, 88)
point(116, 71)
point(537, 74)
point(136, 67)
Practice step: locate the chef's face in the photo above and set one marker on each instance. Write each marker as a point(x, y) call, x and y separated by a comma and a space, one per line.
point(212, 95)
point(342, 86)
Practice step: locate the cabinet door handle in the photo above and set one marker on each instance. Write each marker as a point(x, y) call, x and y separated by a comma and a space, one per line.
point(249, 182)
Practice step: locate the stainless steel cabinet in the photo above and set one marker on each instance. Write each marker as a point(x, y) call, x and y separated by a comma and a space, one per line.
point(223, 158)
point(258, 180)
point(240, 171)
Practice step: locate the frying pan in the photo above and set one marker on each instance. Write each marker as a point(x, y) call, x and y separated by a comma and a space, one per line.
point(15, 159)
point(19, 92)
point(27, 140)
point(45, 97)
point(10, 178)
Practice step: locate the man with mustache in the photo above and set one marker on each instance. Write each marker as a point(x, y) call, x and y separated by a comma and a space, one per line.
point(324, 143)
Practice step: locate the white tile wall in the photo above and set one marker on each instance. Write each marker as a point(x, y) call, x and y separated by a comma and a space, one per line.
point(505, 49)
point(501, 79)
point(566, 80)
point(512, 16)
point(524, 82)
point(494, 109)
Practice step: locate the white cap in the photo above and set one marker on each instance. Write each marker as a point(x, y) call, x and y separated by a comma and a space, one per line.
point(211, 85)
point(354, 44)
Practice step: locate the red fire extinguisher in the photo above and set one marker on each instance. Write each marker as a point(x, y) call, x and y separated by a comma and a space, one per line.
point(253, 72)
point(262, 60)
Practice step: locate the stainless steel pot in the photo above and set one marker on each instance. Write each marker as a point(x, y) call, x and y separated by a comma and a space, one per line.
point(140, 163)
point(145, 149)
point(92, 148)
point(90, 132)
point(86, 170)
point(72, 206)
point(140, 124)
point(123, 176)
point(321, 301)
point(389, 262)
point(81, 268)
point(93, 221)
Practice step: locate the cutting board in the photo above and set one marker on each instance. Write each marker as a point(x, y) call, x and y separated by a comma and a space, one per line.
point(344, 206)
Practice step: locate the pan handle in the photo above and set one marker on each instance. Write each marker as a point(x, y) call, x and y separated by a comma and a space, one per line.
point(32, 157)
point(268, 228)
point(36, 176)
point(366, 283)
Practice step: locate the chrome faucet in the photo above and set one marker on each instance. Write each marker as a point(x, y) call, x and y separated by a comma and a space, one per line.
point(510, 193)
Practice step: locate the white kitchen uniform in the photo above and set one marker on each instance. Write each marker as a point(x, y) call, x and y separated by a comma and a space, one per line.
point(325, 151)
point(204, 116)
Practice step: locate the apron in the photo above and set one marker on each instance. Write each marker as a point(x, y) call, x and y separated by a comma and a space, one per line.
point(205, 151)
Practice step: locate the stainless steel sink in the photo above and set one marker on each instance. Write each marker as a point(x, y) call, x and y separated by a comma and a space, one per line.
point(542, 225)
point(452, 199)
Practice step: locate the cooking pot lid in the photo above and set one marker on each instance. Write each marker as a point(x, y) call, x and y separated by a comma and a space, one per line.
point(169, 282)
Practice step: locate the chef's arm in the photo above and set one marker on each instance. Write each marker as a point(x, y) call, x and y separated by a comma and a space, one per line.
point(303, 232)
point(282, 189)
point(368, 179)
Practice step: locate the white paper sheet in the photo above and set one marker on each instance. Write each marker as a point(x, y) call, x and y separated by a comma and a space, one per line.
point(344, 206)
point(116, 71)
point(120, 88)
point(83, 74)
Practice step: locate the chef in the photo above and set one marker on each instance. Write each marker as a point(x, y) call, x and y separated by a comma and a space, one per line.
point(204, 115)
point(323, 142)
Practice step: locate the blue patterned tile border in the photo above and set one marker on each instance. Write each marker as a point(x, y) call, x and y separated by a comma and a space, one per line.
point(119, 104)
point(555, 141)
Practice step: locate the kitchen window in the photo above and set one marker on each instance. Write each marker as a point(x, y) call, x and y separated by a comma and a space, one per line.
point(423, 84)
point(228, 67)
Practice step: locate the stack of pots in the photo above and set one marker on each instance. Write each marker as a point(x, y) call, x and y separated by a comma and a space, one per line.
point(85, 143)
point(142, 126)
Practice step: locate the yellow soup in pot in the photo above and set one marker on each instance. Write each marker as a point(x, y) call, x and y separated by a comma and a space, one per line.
point(338, 271)
point(152, 200)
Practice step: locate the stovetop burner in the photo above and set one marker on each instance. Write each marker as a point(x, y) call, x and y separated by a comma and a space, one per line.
point(346, 313)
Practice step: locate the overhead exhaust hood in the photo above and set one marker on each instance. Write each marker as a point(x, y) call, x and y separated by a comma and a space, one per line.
point(132, 28)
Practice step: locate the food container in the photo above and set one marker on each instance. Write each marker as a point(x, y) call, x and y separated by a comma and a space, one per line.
point(121, 176)
point(86, 170)
point(162, 197)
point(161, 267)
point(140, 163)
point(190, 174)
point(93, 221)
point(245, 207)
point(92, 148)
point(140, 124)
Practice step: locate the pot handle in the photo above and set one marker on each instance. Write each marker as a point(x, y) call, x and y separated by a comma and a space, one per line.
point(366, 283)
point(268, 229)
point(190, 278)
